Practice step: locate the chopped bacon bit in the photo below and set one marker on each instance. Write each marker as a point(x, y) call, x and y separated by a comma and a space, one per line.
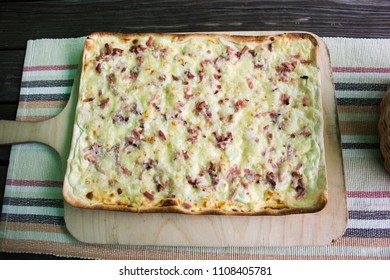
point(119, 191)
point(299, 166)
point(201, 75)
point(117, 51)
point(244, 49)
point(234, 193)
point(140, 60)
point(99, 68)
point(286, 67)
point(296, 174)
point(149, 195)
point(171, 195)
point(229, 50)
point(250, 82)
point(187, 205)
point(241, 104)
point(126, 171)
point(162, 77)
point(223, 140)
point(238, 54)
point(162, 187)
point(136, 133)
point(123, 69)
point(274, 115)
point(92, 158)
point(108, 49)
point(301, 190)
point(149, 164)
point(186, 93)
point(104, 103)
point(133, 141)
point(295, 55)
point(270, 136)
point(88, 99)
point(258, 66)
point(170, 202)
point(305, 132)
point(133, 49)
point(233, 172)
point(175, 78)
point(185, 154)
point(266, 127)
point(303, 61)
point(252, 52)
point(189, 75)
point(270, 47)
point(149, 43)
point(192, 181)
point(270, 177)
point(217, 76)
point(285, 99)
point(162, 135)
point(305, 101)
point(272, 39)
point(200, 106)
point(203, 62)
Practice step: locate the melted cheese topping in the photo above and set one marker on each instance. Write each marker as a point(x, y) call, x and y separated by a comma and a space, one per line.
point(202, 123)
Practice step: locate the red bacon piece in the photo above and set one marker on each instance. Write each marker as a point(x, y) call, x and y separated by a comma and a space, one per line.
point(108, 49)
point(162, 135)
point(234, 193)
point(149, 195)
point(117, 51)
point(104, 103)
point(99, 68)
point(250, 82)
point(285, 99)
point(149, 43)
point(126, 171)
point(270, 177)
point(187, 205)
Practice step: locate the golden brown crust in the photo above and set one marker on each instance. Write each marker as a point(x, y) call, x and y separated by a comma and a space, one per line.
point(171, 207)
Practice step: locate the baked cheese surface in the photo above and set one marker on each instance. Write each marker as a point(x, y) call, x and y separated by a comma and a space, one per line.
point(199, 124)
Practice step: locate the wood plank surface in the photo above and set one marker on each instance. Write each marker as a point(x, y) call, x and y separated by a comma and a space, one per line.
point(24, 20)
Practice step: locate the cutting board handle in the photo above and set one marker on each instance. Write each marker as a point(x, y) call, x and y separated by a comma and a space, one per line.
point(16, 132)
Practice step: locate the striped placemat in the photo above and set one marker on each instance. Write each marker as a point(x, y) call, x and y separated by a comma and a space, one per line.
point(32, 216)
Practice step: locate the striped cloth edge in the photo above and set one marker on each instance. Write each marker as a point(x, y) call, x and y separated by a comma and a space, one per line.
point(32, 216)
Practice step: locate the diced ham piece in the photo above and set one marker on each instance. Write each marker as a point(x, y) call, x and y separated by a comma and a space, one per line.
point(117, 51)
point(270, 177)
point(187, 205)
point(126, 171)
point(149, 195)
point(104, 103)
point(303, 61)
point(285, 99)
point(108, 49)
point(250, 82)
point(99, 68)
point(149, 43)
point(162, 135)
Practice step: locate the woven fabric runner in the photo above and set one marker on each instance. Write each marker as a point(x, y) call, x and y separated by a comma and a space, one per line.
point(32, 218)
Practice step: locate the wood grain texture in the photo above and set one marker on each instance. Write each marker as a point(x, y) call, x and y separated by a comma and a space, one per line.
point(55, 19)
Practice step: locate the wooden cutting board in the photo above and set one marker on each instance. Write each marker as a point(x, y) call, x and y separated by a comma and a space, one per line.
point(162, 229)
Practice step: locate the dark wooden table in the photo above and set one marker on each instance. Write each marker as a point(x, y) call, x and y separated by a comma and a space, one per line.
point(24, 20)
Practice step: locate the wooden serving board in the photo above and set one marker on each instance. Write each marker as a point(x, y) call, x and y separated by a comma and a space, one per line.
point(162, 229)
